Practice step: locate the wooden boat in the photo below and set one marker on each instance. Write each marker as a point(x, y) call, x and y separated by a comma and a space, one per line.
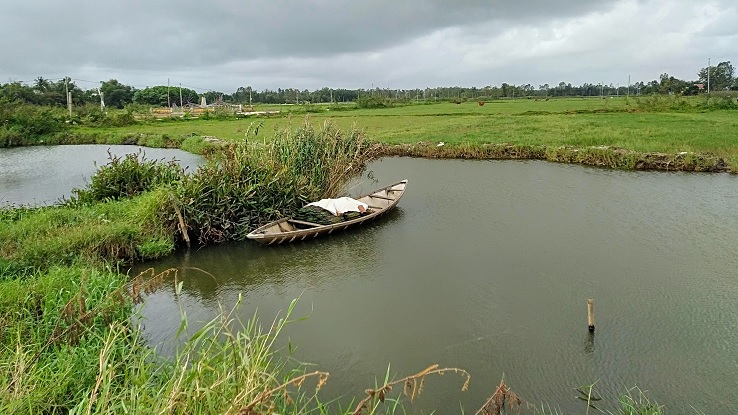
point(288, 230)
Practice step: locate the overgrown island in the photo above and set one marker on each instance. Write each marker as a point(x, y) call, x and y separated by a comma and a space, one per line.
point(68, 344)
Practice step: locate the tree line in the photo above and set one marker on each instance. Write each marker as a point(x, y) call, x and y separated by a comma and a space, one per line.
point(115, 94)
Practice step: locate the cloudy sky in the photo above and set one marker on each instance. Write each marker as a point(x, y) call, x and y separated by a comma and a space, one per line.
point(309, 44)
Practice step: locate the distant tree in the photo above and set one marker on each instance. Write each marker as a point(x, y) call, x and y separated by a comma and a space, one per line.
point(162, 95)
point(721, 76)
point(47, 93)
point(212, 97)
point(116, 94)
point(18, 92)
point(651, 87)
point(242, 95)
point(41, 85)
point(671, 85)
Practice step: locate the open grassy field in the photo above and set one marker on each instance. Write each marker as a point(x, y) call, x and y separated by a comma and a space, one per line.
point(575, 122)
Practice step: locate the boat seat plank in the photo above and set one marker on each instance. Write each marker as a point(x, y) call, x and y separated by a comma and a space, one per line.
point(302, 222)
point(382, 197)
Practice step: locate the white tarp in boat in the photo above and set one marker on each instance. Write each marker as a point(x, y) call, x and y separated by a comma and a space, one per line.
point(339, 205)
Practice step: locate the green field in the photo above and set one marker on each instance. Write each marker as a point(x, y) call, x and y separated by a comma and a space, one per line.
point(576, 122)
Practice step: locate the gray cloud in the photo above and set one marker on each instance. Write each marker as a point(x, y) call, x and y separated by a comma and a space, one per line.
point(224, 44)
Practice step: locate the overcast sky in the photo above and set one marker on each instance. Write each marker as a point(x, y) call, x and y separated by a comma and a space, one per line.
point(221, 45)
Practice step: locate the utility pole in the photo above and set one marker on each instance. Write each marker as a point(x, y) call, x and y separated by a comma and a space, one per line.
point(708, 76)
point(102, 101)
point(69, 95)
point(180, 96)
point(628, 96)
point(169, 101)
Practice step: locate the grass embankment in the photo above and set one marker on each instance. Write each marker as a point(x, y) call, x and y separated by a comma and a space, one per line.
point(665, 133)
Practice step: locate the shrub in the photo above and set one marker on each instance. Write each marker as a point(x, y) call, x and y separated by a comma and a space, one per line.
point(127, 176)
point(719, 102)
point(28, 124)
point(369, 101)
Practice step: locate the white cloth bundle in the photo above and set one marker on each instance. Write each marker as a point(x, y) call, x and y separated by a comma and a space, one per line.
point(340, 205)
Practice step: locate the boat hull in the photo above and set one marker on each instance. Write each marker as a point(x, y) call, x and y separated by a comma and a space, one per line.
point(288, 230)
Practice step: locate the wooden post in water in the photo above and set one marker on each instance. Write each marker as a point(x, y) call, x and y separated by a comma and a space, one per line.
point(591, 315)
point(182, 225)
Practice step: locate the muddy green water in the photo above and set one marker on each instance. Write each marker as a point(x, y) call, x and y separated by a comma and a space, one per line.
point(487, 266)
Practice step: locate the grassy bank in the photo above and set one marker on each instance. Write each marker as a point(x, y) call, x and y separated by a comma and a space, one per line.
point(558, 130)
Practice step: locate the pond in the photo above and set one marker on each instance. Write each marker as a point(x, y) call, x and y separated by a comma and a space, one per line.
point(42, 175)
point(487, 266)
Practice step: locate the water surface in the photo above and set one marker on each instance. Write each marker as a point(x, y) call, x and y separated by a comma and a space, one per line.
point(42, 175)
point(487, 266)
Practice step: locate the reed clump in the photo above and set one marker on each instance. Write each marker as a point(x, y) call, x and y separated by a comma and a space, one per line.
point(250, 183)
point(127, 176)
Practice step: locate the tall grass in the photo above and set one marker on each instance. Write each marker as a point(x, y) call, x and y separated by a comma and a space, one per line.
point(72, 350)
point(67, 346)
point(226, 367)
point(44, 359)
point(104, 232)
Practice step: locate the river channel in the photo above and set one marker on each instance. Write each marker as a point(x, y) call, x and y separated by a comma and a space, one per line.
point(486, 266)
